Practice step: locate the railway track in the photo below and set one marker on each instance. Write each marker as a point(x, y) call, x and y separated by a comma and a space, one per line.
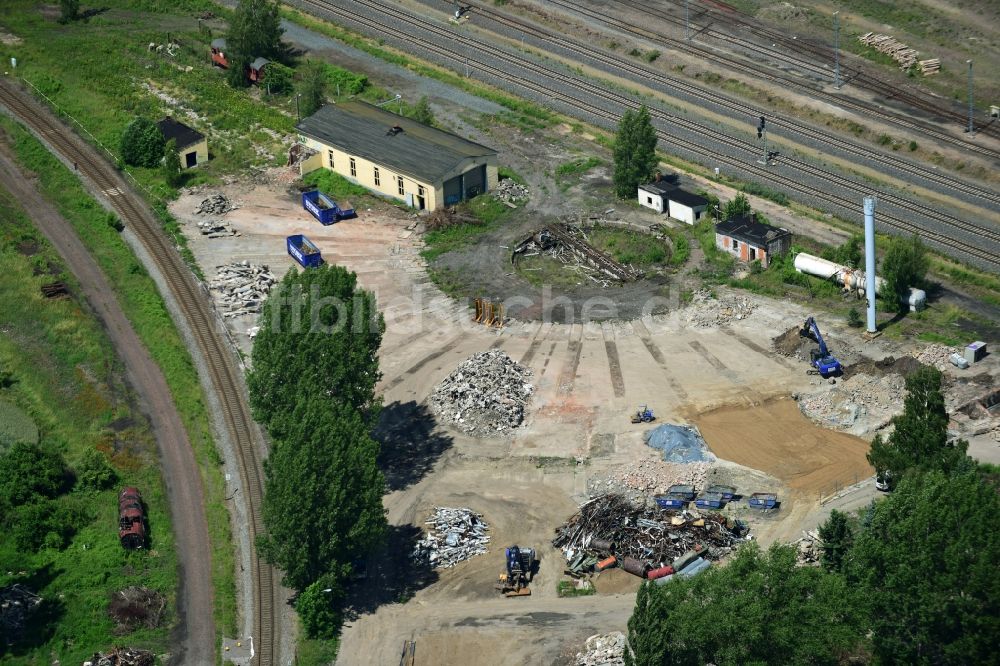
point(835, 143)
point(824, 53)
point(444, 46)
point(193, 302)
point(737, 64)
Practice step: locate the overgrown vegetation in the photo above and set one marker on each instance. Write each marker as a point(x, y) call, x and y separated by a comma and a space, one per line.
point(58, 504)
point(567, 588)
point(630, 247)
point(488, 213)
point(254, 32)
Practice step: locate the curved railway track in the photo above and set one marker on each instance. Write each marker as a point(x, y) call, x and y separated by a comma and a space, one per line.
point(193, 302)
point(823, 52)
point(858, 151)
point(442, 48)
point(737, 64)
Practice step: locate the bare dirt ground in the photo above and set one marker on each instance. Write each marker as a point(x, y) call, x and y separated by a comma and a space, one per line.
point(194, 640)
point(587, 378)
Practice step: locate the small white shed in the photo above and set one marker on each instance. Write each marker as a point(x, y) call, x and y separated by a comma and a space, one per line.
point(654, 195)
point(685, 206)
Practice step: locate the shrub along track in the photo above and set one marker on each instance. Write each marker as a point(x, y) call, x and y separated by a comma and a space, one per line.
point(937, 228)
point(218, 359)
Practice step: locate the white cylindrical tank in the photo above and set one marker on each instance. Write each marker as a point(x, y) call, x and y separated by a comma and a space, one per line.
point(852, 279)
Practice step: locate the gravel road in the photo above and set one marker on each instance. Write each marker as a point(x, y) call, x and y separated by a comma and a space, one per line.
point(194, 635)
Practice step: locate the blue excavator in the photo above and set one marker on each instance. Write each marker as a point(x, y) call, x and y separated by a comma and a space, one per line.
point(821, 359)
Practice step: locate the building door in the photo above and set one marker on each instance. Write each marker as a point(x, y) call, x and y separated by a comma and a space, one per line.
point(420, 198)
point(753, 254)
point(190, 160)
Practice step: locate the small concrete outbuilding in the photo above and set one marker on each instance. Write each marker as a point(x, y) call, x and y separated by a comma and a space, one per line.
point(654, 195)
point(192, 146)
point(397, 157)
point(749, 240)
point(686, 207)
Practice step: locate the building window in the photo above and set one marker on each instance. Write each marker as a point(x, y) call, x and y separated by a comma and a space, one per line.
point(420, 190)
point(753, 254)
point(329, 158)
point(649, 200)
point(399, 183)
point(354, 168)
point(736, 244)
point(378, 180)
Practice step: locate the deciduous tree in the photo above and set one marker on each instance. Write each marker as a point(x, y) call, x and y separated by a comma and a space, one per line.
point(313, 89)
point(837, 539)
point(759, 608)
point(737, 207)
point(927, 568)
point(422, 112)
point(142, 143)
point(254, 32)
point(29, 473)
point(323, 500)
point(634, 152)
point(920, 437)
point(171, 164)
point(319, 335)
point(905, 265)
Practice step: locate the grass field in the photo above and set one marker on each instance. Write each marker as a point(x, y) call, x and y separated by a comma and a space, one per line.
point(61, 374)
point(144, 307)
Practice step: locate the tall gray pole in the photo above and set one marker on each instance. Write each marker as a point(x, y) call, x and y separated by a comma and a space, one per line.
point(836, 50)
point(870, 260)
point(971, 128)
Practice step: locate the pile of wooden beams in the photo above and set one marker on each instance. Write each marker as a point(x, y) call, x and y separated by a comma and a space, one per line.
point(930, 67)
point(892, 47)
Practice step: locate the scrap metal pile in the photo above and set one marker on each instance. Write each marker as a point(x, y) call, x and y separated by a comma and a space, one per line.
point(242, 287)
point(603, 650)
point(510, 192)
point(457, 535)
point(17, 603)
point(215, 204)
point(568, 244)
point(611, 524)
point(124, 656)
point(486, 393)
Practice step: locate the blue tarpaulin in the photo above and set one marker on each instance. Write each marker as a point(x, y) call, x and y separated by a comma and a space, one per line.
point(680, 444)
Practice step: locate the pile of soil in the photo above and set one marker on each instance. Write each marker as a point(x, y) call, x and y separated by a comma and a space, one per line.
point(790, 343)
point(903, 366)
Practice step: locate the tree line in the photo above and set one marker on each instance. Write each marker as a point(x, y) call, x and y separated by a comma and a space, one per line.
point(912, 580)
point(312, 387)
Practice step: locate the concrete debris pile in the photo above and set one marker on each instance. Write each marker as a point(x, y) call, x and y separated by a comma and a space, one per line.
point(704, 311)
point(457, 535)
point(603, 650)
point(124, 656)
point(17, 603)
point(486, 394)
point(242, 287)
point(679, 444)
point(216, 229)
point(936, 355)
point(510, 192)
point(892, 47)
point(866, 400)
point(809, 549)
point(642, 537)
point(641, 481)
point(215, 204)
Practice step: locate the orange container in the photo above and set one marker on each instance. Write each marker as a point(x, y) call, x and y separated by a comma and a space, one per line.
point(607, 563)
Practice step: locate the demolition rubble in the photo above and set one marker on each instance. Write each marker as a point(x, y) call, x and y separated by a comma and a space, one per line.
point(641, 481)
point(510, 192)
point(486, 394)
point(125, 656)
point(569, 245)
point(603, 650)
point(215, 204)
point(456, 535)
point(242, 287)
point(704, 311)
point(216, 229)
point(643, 538)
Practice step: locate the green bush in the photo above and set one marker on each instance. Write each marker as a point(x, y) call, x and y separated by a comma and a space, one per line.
point(48, 524)
point(29, 473)
point(142, 143)
point(854, 318)
point(94, 472)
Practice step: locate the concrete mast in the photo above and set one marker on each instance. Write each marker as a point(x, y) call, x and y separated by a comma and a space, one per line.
point(870, 261)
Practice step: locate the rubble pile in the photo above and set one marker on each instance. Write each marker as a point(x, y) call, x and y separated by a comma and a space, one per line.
point(652, 535)
point(643, 480)
point(135, 607)
point(705, 311)
point(603, 650)
point(486, 393)
point(17, 603)
point(242, 287)
point(215, 204)
point(510, 192)
point(876, 399)
point(809, 549)
point(457, 535)
point(124, 656)
point(216, 229)
point(936, 355)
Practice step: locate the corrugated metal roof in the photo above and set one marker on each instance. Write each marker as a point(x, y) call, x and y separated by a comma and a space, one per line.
point(420, 151)
point(258, 63)
point(687, 198)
